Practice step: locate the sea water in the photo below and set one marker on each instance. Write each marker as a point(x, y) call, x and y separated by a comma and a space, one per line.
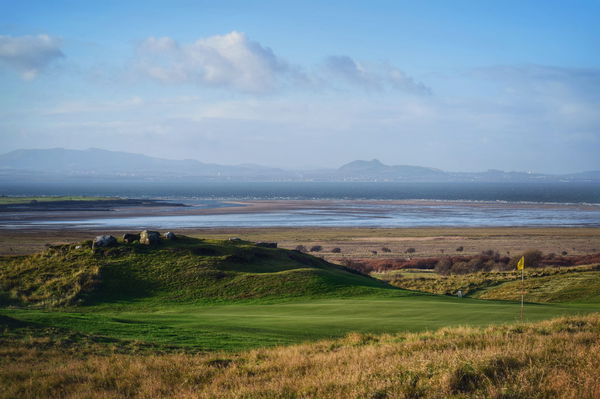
point(349, 204)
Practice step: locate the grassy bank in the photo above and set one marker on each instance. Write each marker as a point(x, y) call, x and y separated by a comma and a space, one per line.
point(568, 284)
point(4, 200)
point(565, 287)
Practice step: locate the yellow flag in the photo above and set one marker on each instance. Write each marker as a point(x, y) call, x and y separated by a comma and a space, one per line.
point(521, 264)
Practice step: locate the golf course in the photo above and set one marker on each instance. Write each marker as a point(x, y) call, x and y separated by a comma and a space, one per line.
point(233, 318)
point(251, 325)
point(232, 295)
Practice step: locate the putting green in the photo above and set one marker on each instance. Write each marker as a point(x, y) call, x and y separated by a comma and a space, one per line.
point(243, 326)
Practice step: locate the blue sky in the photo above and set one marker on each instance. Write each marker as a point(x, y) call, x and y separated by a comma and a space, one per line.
point(458, 85)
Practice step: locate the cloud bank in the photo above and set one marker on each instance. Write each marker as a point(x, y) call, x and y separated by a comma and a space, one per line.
point(233, 61)
point(29, 55)
point(230, 61)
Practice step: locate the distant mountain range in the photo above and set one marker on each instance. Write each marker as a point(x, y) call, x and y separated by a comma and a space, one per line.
point(59, 163)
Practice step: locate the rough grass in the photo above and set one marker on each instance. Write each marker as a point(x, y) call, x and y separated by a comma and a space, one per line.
point(570, 284)
point(571, 287)
point(552, 359)
point(52, 278)
point(184, 270)
point(146, 317)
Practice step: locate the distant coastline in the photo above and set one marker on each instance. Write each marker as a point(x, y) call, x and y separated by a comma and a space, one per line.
point(60, 165)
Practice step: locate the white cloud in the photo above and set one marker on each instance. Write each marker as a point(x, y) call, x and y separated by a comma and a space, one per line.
point(371, 77)
point(230, 60)
point(235, 62)
point(29, 54)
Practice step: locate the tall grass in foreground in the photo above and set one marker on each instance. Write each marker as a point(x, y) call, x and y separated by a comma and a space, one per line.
point(559, 358)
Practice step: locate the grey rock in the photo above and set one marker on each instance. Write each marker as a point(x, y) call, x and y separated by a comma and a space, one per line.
point(129, 238)
point(105, 241)
point(170, 236)
point(148, 237)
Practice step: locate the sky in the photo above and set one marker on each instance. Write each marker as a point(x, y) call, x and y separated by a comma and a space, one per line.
point(456, 85)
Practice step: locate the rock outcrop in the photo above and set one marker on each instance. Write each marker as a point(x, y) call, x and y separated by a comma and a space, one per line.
point(105, 241)
point(169, 236)
point(148, 237)
point(129, 238)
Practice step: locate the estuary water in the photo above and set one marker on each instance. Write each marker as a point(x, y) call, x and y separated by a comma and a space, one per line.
point(334, 204)
point(540, 192)
point(364, 215)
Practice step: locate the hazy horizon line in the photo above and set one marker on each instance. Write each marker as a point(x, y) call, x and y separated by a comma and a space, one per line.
point(299, 168)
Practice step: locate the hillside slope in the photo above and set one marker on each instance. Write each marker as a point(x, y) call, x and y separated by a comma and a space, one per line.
point(34, 165)
point(99, 162)
point(184, 270)
point(543, 285)
point(571, 287)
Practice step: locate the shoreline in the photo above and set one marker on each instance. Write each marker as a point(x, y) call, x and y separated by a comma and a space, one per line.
point(89, 210)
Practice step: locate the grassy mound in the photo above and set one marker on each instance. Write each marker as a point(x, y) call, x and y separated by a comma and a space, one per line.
point(183, 270)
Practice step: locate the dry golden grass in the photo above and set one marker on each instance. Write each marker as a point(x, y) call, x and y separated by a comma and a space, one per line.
point(474, 283)
point(553, 359)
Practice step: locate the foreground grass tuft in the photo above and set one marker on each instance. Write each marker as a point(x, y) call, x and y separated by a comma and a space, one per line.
point(552, 359)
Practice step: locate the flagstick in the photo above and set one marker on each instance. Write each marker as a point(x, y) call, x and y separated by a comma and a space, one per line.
point(522, 294)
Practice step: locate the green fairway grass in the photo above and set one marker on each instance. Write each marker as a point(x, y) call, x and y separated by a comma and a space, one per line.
point(250, 325)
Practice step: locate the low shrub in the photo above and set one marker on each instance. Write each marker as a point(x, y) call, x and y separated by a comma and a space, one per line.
point(301, 248)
